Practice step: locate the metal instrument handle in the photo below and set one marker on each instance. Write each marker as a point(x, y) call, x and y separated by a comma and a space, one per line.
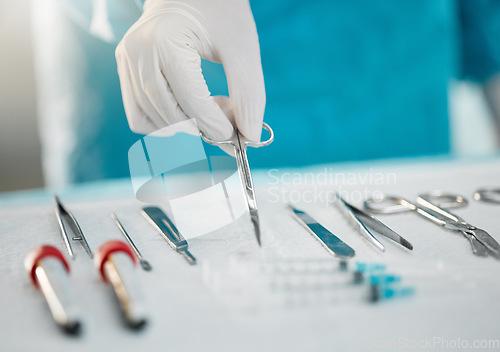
point(489, 195)
point(444, 200)
point(388, 205)
point(436, 200)
point(246, 142)
point(393, 204)
point(262, 143)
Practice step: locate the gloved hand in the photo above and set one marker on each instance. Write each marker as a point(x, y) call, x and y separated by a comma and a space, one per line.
point(160, 74)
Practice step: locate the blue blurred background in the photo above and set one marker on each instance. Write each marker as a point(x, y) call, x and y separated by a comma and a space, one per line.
point(345, 80)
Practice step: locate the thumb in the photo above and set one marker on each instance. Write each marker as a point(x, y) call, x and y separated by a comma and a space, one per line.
point(181, 67)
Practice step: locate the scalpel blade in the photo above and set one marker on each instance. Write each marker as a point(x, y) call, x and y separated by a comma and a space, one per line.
point(331, 242)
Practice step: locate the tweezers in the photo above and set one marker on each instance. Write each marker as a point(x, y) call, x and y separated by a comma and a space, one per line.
point(362, 221)
point(63, 213)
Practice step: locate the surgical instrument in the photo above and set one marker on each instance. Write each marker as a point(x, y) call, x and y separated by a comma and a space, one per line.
point(63, 212)
point(144, 263)
point(49, 271)
point(362, 220)
point(115, 262)
point(489, 195)
point(431, 206)
point(331, 242)
point(169, 232)
point(240, 144)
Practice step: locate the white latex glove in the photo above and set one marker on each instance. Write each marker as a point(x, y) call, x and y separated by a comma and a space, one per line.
point(160, 73)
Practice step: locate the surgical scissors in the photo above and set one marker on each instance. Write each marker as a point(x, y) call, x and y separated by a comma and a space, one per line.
point(488, 195)
point(431, 206)
point(240, 144)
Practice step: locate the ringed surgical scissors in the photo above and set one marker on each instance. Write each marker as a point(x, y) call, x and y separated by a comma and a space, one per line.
point(431, 205)
point(488, 195)
point(240, 144)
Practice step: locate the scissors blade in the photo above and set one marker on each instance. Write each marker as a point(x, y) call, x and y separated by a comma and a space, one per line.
point(488, 241)
point(254, 217)
point(481, 242)
point(477, 247)
point(331, 242)
point(247, 183)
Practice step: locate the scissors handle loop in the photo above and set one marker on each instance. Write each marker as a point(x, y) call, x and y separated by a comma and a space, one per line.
point(489, 195)
point(442, 199)
point(247, 142)
point(263, 143)
point(388, 205)
point(214, 142)
point(435, 200)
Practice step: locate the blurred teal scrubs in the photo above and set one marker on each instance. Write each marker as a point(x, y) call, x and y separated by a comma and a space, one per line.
point(345, 80)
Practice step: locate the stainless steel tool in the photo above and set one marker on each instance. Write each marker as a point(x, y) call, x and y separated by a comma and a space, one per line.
point(331, 242)
point(488, 195)
point(167, 229)
point(62, 213)
point(431, 206)
point(363, 221)
point(144, 263)
point(240, 144)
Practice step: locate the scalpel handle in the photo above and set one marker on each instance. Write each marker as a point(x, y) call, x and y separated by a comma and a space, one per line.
point(169, 231)
point(165, 226)
point(331, 242)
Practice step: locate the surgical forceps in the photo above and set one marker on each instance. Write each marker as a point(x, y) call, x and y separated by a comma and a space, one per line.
point(63, 212)
point(240, 144)
point(364, 221)
point(431, 205)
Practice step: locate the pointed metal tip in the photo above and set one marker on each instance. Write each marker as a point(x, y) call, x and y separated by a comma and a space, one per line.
point(254, 217)
point(293, 209)
point(189, 257)
point(406, 244)
point(257, 233)
point(56, 199)
point(145, 265)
